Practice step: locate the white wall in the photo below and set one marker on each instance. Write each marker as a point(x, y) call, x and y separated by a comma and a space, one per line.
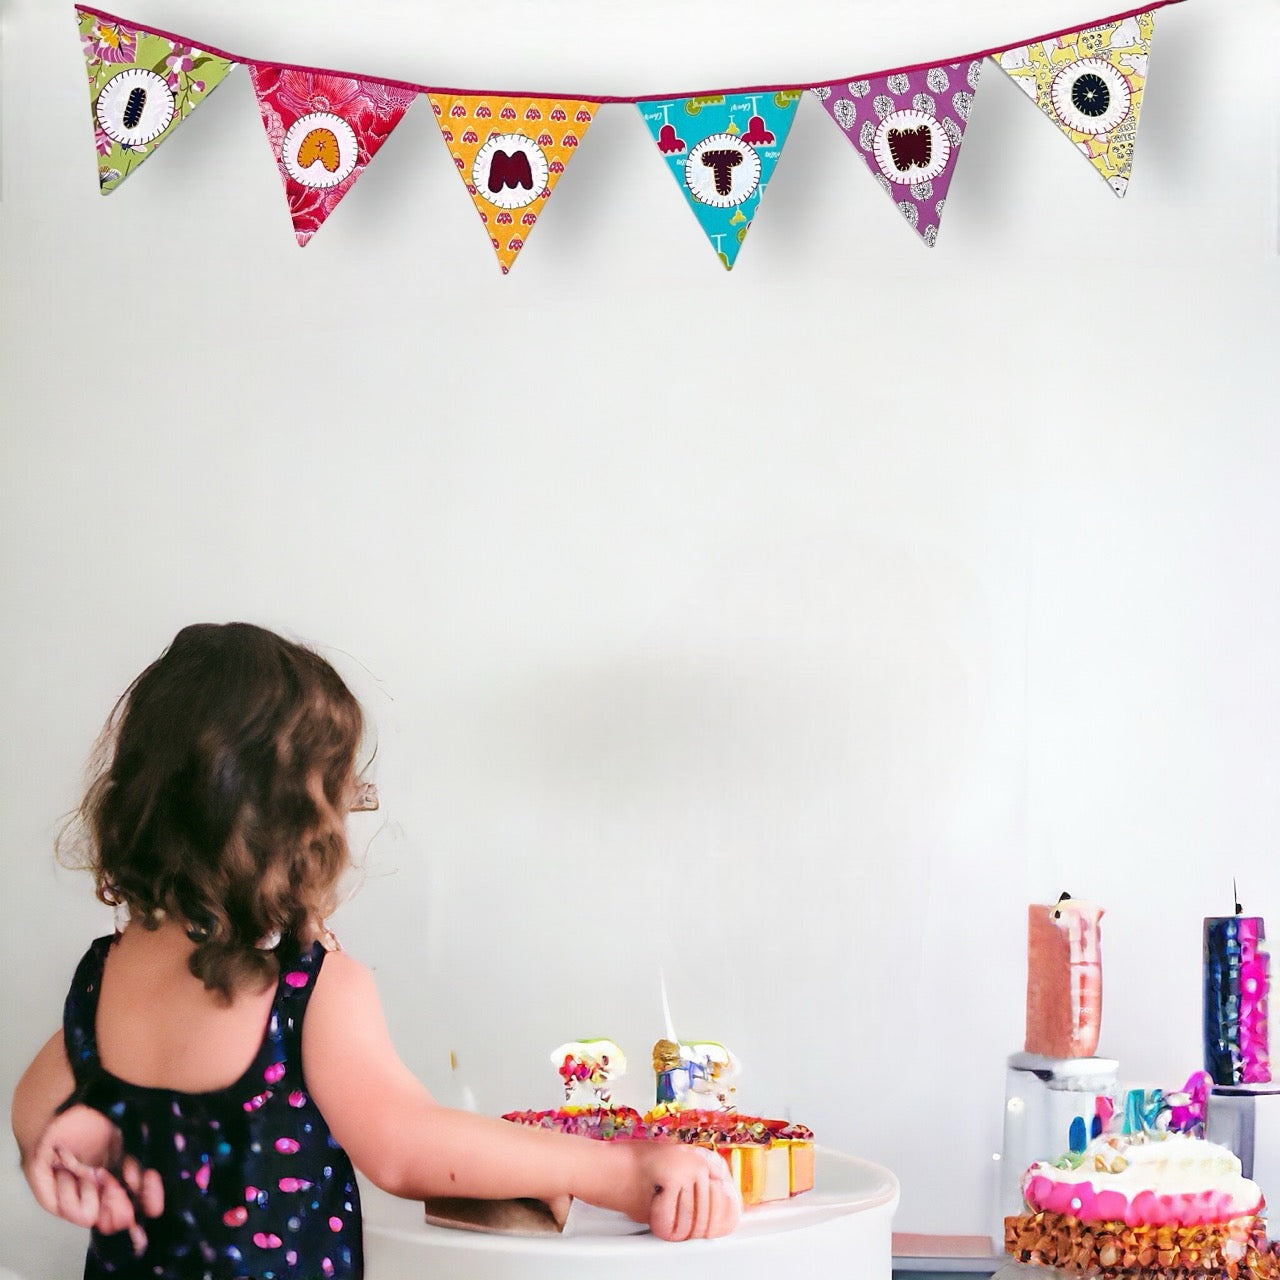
point(965, 594)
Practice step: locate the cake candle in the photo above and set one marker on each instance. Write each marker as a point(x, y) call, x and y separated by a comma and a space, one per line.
point(1064, 979)
point(1237, 979)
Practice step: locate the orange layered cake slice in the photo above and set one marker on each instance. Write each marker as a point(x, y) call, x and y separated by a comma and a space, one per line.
point(769, 1159)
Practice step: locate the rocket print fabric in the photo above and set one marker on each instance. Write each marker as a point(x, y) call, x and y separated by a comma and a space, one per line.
point(722, 150)
point(323, 130)
point(510, 153)
point(1090, 84)
point(142, 86)
point(908, 127)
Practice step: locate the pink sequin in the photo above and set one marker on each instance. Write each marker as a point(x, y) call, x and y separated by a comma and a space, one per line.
point(296, 979)
point(335, 1223)
point(291, 1257)
point(294, 1184)
point(202, 1177)
point(250, 1194)
point(286, 1146)
point(236, 1217)
point(257, 1101)
point(265, 1240)
point(274, 1072)
point(326, 1266)
point(297, 1098)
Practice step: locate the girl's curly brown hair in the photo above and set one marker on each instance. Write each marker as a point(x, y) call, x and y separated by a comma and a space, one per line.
point(226, 772)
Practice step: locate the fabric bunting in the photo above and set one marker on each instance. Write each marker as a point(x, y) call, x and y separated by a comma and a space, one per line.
point(1090, 84)
point(722, 147)
point(722, 151)
point(908, 126)
point(510, 153)
point(323, 130)
point(142, 86)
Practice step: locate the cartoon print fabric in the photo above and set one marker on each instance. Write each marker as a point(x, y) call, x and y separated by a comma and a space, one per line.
point(254, 1185)
point(142, 86)
point(323, 130)
point(908, 127)
point(1090, 84)
point(722, 150)
point(510, 153)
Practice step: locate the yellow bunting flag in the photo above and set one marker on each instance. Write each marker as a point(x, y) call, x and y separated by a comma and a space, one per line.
point(510, 152)
point(1090, 84)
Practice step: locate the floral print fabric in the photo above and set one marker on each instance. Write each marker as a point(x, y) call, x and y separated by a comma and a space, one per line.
point(323, 130)
point(254, 1185)
point(142, 86)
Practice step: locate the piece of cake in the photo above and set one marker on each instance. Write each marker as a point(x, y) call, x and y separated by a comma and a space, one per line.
point(1162, 1203)
point(769, 1159)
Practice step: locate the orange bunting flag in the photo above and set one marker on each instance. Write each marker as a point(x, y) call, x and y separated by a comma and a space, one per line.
point(510, 152)
point(1090, 84)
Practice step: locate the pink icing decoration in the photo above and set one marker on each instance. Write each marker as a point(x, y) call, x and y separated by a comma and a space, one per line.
point(202, 1177)
point(1080, 1200)
point(274, 1072)
point(296, 979)
point(297, 1098)
point(265, 1240)
point(286, 1146)
point(236, 1217)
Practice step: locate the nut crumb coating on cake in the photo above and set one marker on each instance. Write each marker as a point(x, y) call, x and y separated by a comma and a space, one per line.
point(1237, 1249)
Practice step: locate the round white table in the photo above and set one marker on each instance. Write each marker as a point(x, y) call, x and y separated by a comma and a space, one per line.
point(843, 1227)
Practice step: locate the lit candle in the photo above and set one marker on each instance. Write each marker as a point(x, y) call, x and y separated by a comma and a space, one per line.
point(1236, 982)
point(1064, 979)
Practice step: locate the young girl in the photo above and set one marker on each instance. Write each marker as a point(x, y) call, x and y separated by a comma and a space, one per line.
point(221, 1066)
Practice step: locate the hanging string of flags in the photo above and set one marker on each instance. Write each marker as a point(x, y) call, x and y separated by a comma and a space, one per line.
point(721, 147)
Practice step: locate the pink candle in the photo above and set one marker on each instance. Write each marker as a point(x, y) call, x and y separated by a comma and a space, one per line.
point(1064, 979)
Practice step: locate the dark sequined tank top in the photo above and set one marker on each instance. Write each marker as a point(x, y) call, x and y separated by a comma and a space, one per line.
point(255, 1188)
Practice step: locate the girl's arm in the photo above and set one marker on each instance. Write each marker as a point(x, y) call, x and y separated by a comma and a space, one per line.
point(402, 1139)
point(70, 1159)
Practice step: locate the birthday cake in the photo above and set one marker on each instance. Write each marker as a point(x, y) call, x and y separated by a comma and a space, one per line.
point(769, 1159)
point(1162, 1203)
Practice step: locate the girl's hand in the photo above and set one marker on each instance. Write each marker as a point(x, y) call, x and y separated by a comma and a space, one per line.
point(684, 1193)
point(75, 1172)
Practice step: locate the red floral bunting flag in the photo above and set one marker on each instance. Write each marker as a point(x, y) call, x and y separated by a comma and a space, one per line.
point(323, 130)
point(1090, 84)
point(510, 153)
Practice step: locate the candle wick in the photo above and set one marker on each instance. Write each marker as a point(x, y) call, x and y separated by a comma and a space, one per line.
point(1235, 897)
point(1064, 897)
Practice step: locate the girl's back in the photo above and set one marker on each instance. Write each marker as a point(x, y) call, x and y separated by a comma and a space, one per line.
point(160, 1027)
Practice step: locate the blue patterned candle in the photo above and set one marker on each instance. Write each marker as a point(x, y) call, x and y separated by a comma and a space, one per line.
point(1236, 983)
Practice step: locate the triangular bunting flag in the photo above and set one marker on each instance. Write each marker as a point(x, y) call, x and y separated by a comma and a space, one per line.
point(323, 130)
point(908, 126)
point(722, 150)
point(1090, 83)
point(142, 86)
point(510, 153)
